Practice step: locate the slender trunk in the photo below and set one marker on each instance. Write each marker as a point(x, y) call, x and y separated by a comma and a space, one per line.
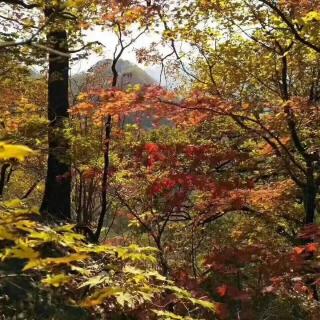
point(163, 262)
point(79, 210)
point(30, 190)
point(104, 190)
point(56, 200)
point(3, 173)
point(106, 150)
point(114, 72)
point(9, 174)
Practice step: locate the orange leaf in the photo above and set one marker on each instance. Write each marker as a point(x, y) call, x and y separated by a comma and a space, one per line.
point(298, 250)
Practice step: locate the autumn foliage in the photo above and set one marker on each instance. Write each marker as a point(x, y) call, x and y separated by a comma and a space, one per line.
point(193, 197)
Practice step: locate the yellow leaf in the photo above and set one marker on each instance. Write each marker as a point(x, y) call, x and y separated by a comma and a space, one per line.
point(203, 303)
point(6, 235)
point(42, 263)
point(125, 298)
point(166, 315)
point(21, 251)
point(99, 297)
point(11, 204)
point(82, 96)
point(9, 151)
point(56, 280)
point(95, 281)
point(65, 228)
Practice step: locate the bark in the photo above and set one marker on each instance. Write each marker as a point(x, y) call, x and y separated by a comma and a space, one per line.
point(3, 173)
point(56, 200)
point(165, 269)
point(104, 191)
point(114, 72)
point(309, 203)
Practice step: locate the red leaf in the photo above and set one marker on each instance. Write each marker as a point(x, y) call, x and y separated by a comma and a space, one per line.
point(222, 290)
point(222, 311)
point(312, 247)
point(152, 148)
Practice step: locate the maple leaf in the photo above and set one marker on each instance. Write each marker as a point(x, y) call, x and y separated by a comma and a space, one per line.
point(19, 152)
point(312, 247)
point(56, 280)
point(152, 148)
point(222, 290)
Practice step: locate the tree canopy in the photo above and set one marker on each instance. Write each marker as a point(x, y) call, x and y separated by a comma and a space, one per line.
point(190, 196)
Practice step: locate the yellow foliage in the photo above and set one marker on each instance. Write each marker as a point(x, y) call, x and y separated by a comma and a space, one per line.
point(125, 276)
point(19, 152)
point(22, 251)
point(56, 280)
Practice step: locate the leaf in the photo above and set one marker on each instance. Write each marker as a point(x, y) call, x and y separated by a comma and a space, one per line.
point(299, 250)
point(312, 16)
point(95, 281)
point(157, 275)
point(179, 292)
point(204, 303)
point(65, 228)
point(312, 247)
point(166, 315)
point(82, 96)
point(56, 280)
point(222, 290)
point(9, 151)
point(42, 263)
point(25, 225)
point(100, 296)
point(14, 203)
point(125, 298)
point(21, 251)
point(6, 235)
point(82, 271)
point(44, 236)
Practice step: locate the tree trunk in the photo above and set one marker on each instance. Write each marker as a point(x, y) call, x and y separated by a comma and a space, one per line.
point(56, 200)
point(104, 190)
point(3, 172)
point(309, 203)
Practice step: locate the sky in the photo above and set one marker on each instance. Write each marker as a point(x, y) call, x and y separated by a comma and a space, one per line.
point(109, 41)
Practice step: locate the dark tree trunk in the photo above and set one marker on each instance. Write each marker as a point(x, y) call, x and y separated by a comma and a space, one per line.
point(56, 200)
point(114, 72)
point(3, 181)
point(309, 197)
point(309, 202)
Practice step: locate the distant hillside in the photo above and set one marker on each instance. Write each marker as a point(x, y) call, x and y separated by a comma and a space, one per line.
point(100, 76)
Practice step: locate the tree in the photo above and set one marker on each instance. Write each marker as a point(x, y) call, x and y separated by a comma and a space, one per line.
point(54, 21)
point(56, 200)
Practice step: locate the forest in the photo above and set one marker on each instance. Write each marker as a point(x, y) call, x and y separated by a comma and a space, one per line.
point(190, 195)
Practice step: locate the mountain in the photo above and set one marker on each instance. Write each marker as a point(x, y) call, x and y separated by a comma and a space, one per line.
point(100, 76)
